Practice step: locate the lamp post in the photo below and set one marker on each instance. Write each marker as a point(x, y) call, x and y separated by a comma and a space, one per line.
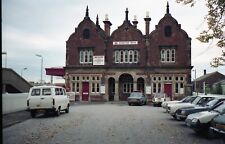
point(22, 71)
point(195, 82)
point(5, 53)
point(38, 55)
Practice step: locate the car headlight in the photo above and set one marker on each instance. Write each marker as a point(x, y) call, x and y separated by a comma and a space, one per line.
point(183, 112)
point(194, 120)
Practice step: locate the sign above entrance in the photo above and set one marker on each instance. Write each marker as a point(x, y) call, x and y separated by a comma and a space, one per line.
point(98, 60)
point(125, 42)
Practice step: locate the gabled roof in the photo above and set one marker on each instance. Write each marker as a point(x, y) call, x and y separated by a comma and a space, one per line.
point(207, 76)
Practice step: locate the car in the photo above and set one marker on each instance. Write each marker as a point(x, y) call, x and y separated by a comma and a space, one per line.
point(158, 98)
point(182, 113)
point(188, 100)
point(45, 99)
point(199, 101)
point(200, 122)
point(218, 126)
point(137, 98)
point(166, 103)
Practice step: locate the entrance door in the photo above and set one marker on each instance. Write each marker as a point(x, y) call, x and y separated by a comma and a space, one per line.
point(168, 90)
point(85, 91)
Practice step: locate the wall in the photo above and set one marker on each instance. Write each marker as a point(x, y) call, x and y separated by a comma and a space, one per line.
point(13, 102)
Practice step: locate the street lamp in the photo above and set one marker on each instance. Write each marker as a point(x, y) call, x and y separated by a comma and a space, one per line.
point(195, 81)
point(22, 71)
point(5, 53)
point(38, 55)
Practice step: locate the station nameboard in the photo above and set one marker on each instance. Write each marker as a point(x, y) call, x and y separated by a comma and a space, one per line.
point(125, 42)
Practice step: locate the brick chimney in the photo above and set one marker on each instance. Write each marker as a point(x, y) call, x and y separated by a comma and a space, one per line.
point(147, 23)
point(135, 22)
point(107, 25)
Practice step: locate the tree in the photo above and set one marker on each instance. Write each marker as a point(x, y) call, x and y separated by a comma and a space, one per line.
point(216, 26)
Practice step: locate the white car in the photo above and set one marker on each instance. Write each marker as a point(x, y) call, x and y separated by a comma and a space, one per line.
point(46, 99)
point(166, 103)
point(197, 101)
point(200, 122)
point(158, 99)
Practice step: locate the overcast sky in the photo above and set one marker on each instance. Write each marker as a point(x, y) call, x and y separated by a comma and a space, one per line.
point(31, 27)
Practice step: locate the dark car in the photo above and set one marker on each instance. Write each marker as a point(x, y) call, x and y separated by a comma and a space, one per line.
point(182, 113)
point(218, 126)
point(137, 98)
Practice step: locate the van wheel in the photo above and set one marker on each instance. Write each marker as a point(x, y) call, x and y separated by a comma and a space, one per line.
point(67, 109)
point(57, 113)
point(33, 113)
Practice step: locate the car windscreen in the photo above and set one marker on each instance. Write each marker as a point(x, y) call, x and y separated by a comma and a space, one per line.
point(212, 103)
point(203, 101)
point(220, 108)
point(135, 95)
point(195, 101)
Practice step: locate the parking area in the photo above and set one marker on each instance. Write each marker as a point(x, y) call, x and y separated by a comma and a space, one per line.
point(105, 123)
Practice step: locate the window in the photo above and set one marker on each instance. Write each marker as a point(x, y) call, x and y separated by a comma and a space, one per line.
point(168, 31)
point(126, 56)
point(86, 34)
point(86, 56)
point(95, 88)
point(46, 91)
point(127, 87)
point(76, 87)
point(35, 92)
point(167, 55)
point(179, 88)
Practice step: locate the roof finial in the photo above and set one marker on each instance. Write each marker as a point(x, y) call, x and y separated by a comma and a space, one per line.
point(97, 23)
point(87, 14)
point(126, 14)
point(167, 8)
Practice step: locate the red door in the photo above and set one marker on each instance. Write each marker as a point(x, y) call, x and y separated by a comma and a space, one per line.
point(85, 91)
point(168, 90)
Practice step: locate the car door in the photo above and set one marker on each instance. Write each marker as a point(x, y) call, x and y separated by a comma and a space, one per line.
point(46, 97)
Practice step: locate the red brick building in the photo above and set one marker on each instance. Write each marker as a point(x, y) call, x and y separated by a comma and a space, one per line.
point(105, 66)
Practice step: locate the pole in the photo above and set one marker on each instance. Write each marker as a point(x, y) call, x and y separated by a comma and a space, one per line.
point(5, 53)
point(38, 55)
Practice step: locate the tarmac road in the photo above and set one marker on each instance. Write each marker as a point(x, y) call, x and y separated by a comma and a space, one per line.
point(104, 123)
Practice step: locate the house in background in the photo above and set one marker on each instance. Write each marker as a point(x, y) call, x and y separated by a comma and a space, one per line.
point(209, 83)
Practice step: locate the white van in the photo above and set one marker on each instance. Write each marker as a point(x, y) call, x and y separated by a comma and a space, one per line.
point(46, 99)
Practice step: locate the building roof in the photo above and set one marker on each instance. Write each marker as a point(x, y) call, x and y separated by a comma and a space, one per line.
point(207, 76)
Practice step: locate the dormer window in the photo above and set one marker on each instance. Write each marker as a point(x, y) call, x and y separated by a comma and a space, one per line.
point(168, 31)
point(86, 34)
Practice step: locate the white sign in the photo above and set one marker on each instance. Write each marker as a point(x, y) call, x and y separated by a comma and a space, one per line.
point(181, 90)
point(102, 89)
point(125, 42)
point(98, 60)
point(148, 90)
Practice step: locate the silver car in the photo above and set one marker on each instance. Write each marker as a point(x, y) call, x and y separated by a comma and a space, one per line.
point(137, 98)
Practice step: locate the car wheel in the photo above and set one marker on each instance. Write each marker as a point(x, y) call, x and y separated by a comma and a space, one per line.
point(129, 104)
point(67, 109)
point(33, 113)
point(57, 113)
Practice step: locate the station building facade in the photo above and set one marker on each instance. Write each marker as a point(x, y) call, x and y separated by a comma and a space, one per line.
point(105, 66)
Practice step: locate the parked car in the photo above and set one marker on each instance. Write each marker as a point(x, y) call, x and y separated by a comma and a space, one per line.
point(182, 113)
point(47, 99)
point(185, 99)
point(158, 98)
point(137, 98)
point(189, 100)
point(200, 122)
point(199, 101)
point(218, 126)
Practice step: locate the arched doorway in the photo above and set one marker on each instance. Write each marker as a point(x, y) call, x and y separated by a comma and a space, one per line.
point(111, 89)
point(141, 84)
point(125, 86)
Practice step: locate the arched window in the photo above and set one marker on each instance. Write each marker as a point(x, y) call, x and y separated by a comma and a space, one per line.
point(86, 34)
point(168, 31)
